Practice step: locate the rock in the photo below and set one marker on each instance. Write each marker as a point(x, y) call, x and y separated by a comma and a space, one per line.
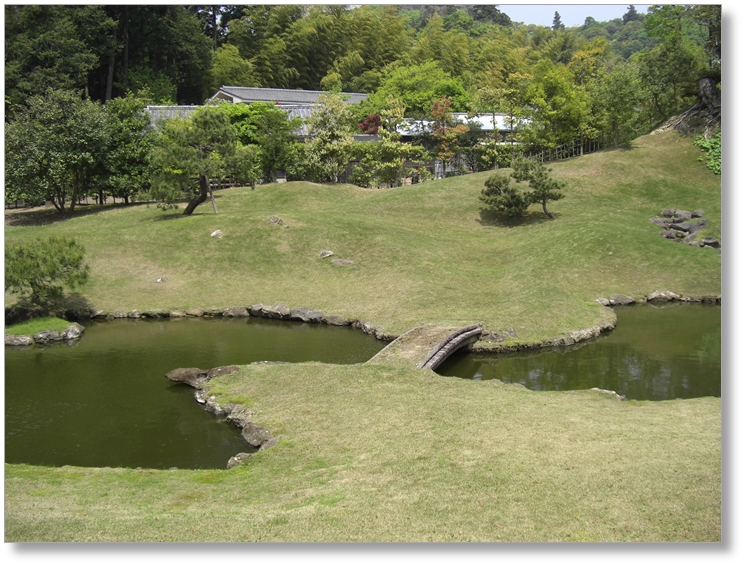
point(672, 234)
point(491, 336)
point(212, 312)
point(668, 212)
point(156, 313)
point(73, 332)
point(681, 215)
point(238, 459)
point(177, 314)
point(690, 226)
point(325, 254)
point(618, 299)
point(661, 222)
point(46, 336)
point(306, 315)
point(120, 314)
point(340, 262)
point(697, 213)
point(98, 313)
point(222, 370)
point(255, 435)
point(269, 443)
point(191, 376)
point(689, 239)
point(235, 312)
point(134, 314)
point(194, 312)
point(256, 310)
point(511, 333)
point(275, 220)
point(217, 234)
point(18, 340)
point(603, 301)
point(709, 242)
point(278, 312)
point(335, 320)
point(366, 327)
point(662, 296)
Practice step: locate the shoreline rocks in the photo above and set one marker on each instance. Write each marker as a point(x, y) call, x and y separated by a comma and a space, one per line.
point(682, 226)
point(69, 335)
point(236, 414)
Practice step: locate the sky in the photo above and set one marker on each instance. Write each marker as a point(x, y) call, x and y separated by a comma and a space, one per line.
point(571, 14)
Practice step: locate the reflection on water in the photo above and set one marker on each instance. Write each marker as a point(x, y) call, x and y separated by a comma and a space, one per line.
point(106, 402)
point(655, 353)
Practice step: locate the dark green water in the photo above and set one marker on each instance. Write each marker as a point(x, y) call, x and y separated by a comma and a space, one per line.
point(106, 401)
point(654, 353)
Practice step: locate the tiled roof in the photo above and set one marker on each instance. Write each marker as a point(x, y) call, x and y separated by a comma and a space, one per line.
point(282, 96)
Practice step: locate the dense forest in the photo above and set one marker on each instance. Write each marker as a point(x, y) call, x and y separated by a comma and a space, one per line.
point(607, 81)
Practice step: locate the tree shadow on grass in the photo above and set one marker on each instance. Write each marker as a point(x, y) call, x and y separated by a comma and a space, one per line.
point(70, 307)
point(489, 217)
point(45, 215)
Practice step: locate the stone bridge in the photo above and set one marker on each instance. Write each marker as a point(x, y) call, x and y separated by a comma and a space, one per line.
point(427, 346)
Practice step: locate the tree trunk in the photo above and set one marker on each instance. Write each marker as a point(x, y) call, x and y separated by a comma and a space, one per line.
point(204, 186)
point(125, 53)
point(549, 214)
point(212, 197)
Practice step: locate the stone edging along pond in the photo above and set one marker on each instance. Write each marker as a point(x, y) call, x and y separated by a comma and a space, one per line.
point(490, 341)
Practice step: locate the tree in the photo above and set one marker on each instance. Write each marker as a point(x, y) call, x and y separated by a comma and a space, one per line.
point(557, 25)
point(543, 187)
point(268, 128)
point(382, 163)
point(53, 148)
point(509, 200)
point(503, 197)
point(631, 15)
point(329, 148)
point(418, 87)
point(445, 131)
point(189, 149)
point(129, 140)
point(229, 68)
point(42, 267)
point(616, 96)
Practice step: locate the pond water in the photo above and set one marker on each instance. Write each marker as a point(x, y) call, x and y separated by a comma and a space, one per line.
point(106, 402)
point(654, 353)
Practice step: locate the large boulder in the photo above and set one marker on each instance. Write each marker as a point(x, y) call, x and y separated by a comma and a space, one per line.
point(335, 320)
point(191, 376)
point(662, 295)
point(618, 299)
point(306, 315)
point(235, 312)
point(255, 435)
point(661, 222)
point(18, 340)
point(280, 312)
point(73, 332)
point(46, 336)
point(682, 215)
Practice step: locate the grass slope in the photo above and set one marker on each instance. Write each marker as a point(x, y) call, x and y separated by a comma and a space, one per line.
point(386, 454)
point(380, 452)
point(422, 253)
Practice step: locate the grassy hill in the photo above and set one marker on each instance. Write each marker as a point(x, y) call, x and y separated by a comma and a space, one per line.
point(421, 253)
point(377, 452)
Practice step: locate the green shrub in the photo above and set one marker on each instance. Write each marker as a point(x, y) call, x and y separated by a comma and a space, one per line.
point(712, 147)
point(43, 266)
point(503, 197)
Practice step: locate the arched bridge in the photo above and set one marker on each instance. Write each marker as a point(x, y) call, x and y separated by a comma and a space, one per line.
point(428, 346)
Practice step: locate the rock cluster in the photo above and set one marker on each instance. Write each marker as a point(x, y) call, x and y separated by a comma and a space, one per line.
point(236, 414)
point(659, 296)
point(69, 335)
point(683, 225)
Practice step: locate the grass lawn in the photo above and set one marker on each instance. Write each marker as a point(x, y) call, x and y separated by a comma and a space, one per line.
point(381, 452)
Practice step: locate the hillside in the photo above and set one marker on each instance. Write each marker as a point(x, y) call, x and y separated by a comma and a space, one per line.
point(420, 253)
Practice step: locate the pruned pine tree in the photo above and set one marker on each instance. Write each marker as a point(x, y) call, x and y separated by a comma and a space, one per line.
point(187, 153)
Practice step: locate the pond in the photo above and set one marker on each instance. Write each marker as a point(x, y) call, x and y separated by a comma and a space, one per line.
point(654, 353)
point(106, 402)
